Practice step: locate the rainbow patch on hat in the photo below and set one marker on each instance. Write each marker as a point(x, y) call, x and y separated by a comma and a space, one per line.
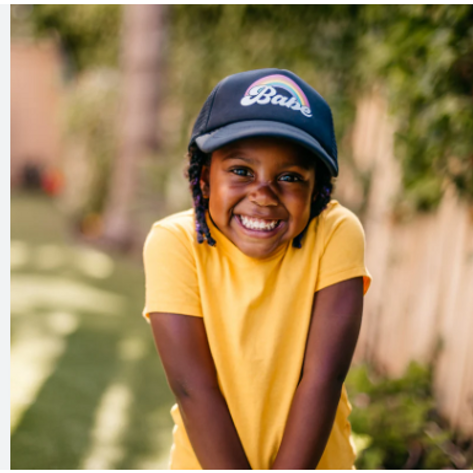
point(283, 82)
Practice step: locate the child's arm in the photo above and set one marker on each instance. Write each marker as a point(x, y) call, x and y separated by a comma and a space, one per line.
point(335, 325)
point(183, 347)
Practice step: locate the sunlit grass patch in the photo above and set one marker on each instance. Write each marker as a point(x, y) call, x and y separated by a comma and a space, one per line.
point(48, 257)
point(19, 254)
point(110, 423)
point(35, 291)
point(33, 358)
point(44, 258)
point(93, 263)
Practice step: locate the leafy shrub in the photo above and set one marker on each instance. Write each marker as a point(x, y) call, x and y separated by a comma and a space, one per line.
point(395, 424)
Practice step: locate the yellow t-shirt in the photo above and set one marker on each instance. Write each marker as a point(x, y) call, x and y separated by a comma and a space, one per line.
point(256, 314)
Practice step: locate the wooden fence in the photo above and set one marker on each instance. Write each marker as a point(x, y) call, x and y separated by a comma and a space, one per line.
point(420, 305)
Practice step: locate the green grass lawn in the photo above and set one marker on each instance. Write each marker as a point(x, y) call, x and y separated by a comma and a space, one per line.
point(87, 387)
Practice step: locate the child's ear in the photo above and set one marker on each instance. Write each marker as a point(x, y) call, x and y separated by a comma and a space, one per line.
point(205, 181)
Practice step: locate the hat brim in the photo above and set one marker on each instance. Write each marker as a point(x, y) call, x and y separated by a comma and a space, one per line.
point(247, 129)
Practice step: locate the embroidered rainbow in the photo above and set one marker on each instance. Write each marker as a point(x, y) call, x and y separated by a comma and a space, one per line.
point(283, 82)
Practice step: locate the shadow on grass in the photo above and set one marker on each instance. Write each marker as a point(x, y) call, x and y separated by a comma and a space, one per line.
point(57, 430)
point(54, 432)
point(149, 432)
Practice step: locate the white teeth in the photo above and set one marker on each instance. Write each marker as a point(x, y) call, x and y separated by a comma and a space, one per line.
point(258, 224)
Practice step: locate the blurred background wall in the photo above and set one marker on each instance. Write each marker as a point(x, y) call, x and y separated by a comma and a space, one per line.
point(35, 97)
point(103, 99)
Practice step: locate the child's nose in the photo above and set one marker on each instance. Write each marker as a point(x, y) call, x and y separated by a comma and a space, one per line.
point(264, 196)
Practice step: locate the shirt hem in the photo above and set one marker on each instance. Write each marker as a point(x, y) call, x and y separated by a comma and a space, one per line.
point(343, 276)
point(172, 309)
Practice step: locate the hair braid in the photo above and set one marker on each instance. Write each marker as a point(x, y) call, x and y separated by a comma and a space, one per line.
point(323, 189)
point(197, 159)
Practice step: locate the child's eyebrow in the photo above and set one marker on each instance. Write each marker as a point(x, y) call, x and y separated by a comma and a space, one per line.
point(235, 155)
point(307, 165)
point(302, 164)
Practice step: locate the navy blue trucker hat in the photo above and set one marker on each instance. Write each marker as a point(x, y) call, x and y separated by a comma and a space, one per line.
point(267, 102)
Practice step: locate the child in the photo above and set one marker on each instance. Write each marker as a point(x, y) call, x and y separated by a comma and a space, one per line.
point(255, 296)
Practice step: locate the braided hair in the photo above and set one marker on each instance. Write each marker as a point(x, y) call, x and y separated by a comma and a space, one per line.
point(197, 159)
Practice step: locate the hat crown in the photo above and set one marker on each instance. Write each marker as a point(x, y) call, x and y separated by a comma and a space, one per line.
point(268, 95)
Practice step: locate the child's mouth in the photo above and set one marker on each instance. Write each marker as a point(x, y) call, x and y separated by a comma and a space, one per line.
point(258, 224)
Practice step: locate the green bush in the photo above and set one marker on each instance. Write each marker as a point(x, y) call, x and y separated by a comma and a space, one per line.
point(88, 33)
point(395, 424)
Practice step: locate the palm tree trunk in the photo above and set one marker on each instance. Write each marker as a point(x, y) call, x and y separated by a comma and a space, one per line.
point(142, 45)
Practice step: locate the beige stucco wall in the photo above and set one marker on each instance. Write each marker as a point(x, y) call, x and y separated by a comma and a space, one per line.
point(34, 105)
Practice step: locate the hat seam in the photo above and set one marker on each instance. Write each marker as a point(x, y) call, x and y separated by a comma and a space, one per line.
point(334, 140)
point(217, 88)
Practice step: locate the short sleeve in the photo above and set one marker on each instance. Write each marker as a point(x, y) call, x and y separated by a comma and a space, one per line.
point(170, 274)
point(344, 250)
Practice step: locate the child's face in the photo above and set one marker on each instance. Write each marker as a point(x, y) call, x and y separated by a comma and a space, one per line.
point(260, 191)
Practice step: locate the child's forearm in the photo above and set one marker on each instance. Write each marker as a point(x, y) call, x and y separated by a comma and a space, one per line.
point(211, 430)
point(183, 346)
point(308, 427)
point(333, 333)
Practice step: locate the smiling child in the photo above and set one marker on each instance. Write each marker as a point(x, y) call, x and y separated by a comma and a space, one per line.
point(255, 295)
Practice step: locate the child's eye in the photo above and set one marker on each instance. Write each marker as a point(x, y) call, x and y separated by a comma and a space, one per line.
point(290, 178)
point(240, 172)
